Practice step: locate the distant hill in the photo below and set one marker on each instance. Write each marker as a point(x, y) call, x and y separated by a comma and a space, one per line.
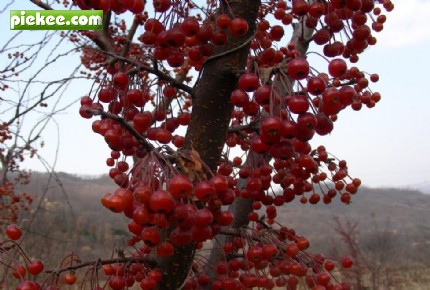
point(400, 211)
point(69, 212)
point(423, 187)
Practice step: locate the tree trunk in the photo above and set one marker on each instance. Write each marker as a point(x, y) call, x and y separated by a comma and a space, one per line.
point(210, 118)
point(211, 106)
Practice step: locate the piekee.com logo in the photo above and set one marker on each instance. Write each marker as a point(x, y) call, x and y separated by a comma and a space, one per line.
point(56, 19)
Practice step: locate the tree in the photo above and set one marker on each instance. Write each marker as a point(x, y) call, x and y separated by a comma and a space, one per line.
point(375, 254)
point(248, 115)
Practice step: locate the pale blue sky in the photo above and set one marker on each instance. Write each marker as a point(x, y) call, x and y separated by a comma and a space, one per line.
point(385, 146)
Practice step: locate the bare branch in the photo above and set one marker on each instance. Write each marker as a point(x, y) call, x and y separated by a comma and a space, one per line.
point(7, 5)
point(42, 4)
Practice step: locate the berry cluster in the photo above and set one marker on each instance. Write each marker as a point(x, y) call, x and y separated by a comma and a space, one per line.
point(279, 104)
point(11, 155)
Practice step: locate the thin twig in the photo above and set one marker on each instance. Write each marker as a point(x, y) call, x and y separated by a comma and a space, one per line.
point(151, 263)
point(225, 53)
point(253, 126)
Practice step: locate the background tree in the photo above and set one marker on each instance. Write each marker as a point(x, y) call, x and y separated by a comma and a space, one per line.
point(375, 254)
point(248, 116)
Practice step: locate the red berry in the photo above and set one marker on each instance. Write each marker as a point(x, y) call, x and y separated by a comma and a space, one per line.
point(204, 190)
point(225, 218)
point(337, 67)
point(106, 94)
point(347, 262)
point(175, 37)
point(239, 98)
point(27, 285)
point(298, 104)
point(161, 5)
point(114, 202)
point(255, 253)
point(276, 32)
point(201, 234)
point(142, 121)
point(302, 243)
point(239, 27)
point(120, 80)
point(165, 249)
point(203, 218)
point(19, 271)
point(13, 232)
point(190, 26)
point(270, 130)
point(329, 265)
point(316, 86)
point(148, 283)
point(292, 250)
point(151, 236)
point(163, 136)
point(262, 95)
point(324, 124)
point(70, 278)
point(249, 82)
point(154, 26)
point(161, 201)
point(117, 282)
point(269, 251)
point(139, 6)
point(35, 267)
point(300, 7)
point(298, 68)
point(180, 186)
point(223, 21)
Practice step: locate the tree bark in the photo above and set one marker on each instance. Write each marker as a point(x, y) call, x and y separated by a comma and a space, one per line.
point(210, 118)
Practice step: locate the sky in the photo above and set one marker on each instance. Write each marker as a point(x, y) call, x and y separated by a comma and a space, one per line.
point(387, 146)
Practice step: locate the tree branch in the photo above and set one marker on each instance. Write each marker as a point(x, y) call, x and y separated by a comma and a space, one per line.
point(102, 39)
point(130, 35)
point(252, 126)
point(165, 77)
point(139, 137)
